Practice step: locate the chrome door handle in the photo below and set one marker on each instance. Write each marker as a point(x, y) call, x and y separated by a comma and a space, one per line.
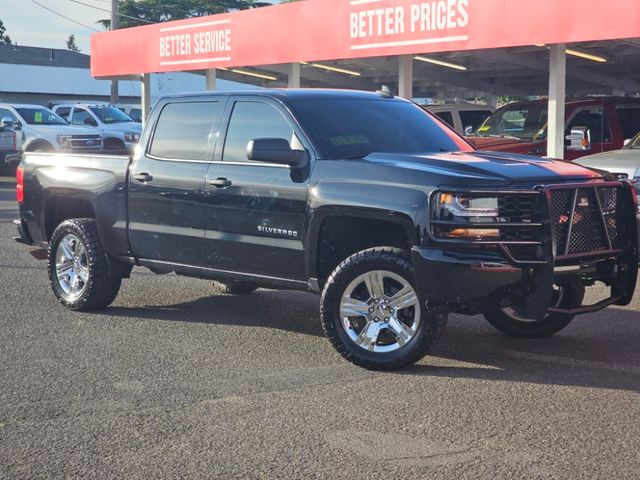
point(220, 182)
point(143, 177)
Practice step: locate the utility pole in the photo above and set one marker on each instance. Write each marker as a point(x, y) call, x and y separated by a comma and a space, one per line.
point(114, 25)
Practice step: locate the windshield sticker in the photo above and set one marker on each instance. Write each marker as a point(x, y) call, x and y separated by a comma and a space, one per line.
point(349, 140)
point(37, 117)
point(484, 129)
point(108, 119)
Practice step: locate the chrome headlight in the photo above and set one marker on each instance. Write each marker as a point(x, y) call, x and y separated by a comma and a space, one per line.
point(466, 217)
point(132, 137)
point(467, 206)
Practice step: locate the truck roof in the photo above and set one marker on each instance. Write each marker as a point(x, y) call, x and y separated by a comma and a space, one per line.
point(571, 101)
point(288, 93)
point(22, 105)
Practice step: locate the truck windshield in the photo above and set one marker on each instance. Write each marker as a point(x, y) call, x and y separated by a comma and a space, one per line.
point(109, 115)
point(519, 121)
point(40, 116)
point(356, 128)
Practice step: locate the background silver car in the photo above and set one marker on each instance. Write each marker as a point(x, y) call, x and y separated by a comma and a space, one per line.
point(624, 163)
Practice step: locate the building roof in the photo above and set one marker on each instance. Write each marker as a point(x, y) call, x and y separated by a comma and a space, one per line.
point(49, 57)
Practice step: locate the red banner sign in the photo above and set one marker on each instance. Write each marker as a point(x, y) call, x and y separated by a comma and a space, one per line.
point(315, 30)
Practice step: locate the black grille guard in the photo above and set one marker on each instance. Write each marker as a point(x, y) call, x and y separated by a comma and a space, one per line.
point(549, 237)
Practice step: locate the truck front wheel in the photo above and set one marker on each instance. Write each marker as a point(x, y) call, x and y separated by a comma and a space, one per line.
point(372, 313)
point(509, 322)
point(78, 268)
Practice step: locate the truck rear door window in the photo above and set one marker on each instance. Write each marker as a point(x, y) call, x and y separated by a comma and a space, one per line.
point(186, 131)
point(251, 120)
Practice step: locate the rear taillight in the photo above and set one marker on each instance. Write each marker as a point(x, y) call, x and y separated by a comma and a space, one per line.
point(20, 184)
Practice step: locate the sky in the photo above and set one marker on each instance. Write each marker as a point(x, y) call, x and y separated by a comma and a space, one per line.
point(31, 25)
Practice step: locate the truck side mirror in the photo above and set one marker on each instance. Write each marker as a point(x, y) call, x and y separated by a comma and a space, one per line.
point(275, 150)
point(91, 122)
point(579, 139)
point(626, 142)
point(7, 122)
point(468, 130)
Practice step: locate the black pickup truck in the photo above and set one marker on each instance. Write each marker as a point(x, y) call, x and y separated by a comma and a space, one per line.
point(365, 198)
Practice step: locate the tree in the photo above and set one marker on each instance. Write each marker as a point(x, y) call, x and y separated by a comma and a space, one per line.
point(71, 43)
point(141, 12)
point(4, 38)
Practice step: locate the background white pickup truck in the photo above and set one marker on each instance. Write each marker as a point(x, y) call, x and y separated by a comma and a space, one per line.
point(119, 130)
point(41, 130)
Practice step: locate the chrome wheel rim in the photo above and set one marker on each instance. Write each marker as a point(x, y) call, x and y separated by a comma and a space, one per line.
point(380, 311)
point(511, 312)
point(72, 266)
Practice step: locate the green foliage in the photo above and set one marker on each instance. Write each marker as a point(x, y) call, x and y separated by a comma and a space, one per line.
point(155, 11)
point(4, 38)
point(71, 43)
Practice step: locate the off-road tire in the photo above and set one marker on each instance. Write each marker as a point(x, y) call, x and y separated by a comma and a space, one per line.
point(239, 288)
point(101, 287)
point(549, 325)
point(432, 321)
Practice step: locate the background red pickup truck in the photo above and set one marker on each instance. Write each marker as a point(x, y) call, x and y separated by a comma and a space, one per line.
point(521, 127)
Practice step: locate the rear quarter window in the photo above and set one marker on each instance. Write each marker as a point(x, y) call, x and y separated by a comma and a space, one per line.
point(186, 130)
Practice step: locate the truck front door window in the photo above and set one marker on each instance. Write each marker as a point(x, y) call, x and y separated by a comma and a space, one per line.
point(629, 116)
point(595, 120)
point(251, 120)
point(81, 117)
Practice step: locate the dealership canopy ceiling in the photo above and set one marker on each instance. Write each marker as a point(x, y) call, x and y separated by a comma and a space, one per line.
point(461, 48)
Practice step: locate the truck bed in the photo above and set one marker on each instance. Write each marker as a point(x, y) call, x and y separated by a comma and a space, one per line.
point(58, 181)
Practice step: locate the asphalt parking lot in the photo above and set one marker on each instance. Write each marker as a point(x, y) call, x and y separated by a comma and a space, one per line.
point(176, 380)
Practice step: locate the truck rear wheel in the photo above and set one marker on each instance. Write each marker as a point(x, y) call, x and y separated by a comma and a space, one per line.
point(509, 322)
point(78, 268)
point(372, 313)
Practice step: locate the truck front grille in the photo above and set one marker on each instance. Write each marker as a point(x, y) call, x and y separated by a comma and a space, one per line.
point(585, 219)
point(83, 143)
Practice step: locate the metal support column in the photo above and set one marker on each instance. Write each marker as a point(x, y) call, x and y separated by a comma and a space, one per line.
point(405, 74)
point(145, 96)
point(557, 92)
point(115, 23)
point(211, 79)
point(294, 75)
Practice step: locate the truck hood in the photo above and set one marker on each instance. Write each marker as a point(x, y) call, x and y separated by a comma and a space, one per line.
point(53, 130)
point(501, 168)
point(494, 143)
point(124, 127)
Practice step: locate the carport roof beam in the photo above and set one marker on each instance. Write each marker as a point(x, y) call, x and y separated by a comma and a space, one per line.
point(321, 30)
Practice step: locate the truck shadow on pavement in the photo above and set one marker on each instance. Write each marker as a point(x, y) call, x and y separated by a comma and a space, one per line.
point(596, 351)
point(284, 310)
